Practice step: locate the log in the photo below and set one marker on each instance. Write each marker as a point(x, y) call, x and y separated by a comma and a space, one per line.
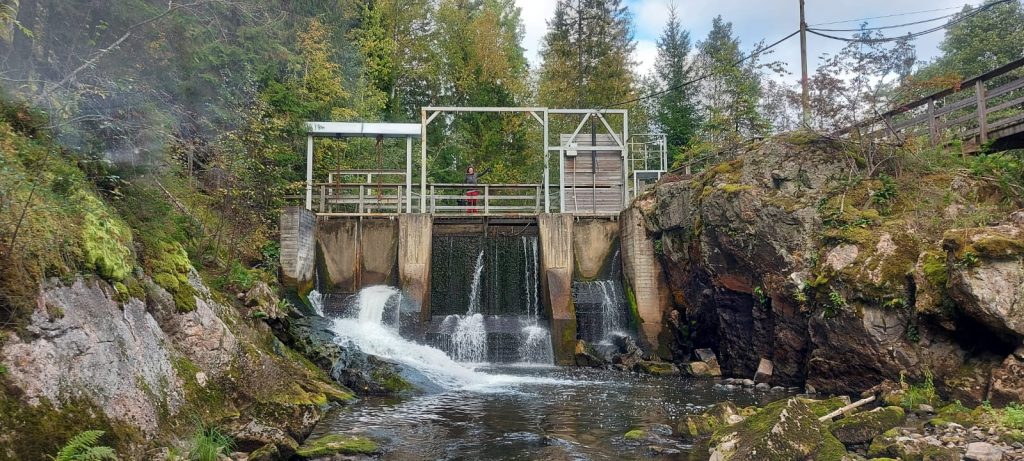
point(847, 408)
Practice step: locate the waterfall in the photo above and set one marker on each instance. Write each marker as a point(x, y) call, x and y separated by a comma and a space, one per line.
point(316, 299)
point(474, 288)
point(611, 322)
point(468, 341)
point(536, 340)
point(365, 330)
point(372, 302)
point(601, 309)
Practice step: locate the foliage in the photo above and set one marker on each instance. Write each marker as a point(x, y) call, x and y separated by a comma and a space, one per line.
point(82, 447)
point(208, 443)
point(917, 394)
point(1013, 416)
point(676, 112)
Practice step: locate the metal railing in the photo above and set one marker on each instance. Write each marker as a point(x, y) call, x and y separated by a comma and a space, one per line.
point(979, 109)
point(334, 199)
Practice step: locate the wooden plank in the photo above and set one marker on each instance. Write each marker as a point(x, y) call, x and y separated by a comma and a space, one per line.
point(1005, 105)
point(980, 112)
point(1006, 88)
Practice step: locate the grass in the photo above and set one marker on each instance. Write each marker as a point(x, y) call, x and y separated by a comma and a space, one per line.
point(208, 443)
point(917, 394)
point(1013, 416)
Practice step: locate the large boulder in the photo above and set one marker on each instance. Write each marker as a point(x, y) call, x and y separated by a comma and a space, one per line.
point(987, 277)
point(861, 428)
point(783, 430)
point(717, 416)
point(1008, 380)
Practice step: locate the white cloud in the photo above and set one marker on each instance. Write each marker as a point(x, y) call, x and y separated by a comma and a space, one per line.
point(645, 54)
point(534, 14)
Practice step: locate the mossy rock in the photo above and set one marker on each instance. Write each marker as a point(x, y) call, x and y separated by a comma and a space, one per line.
point(783, 430)
point(717, 416)
point(656, 368)
point(171, 267)
point(861, 428)
point(823, 407)
point(891, 445)
point(337, 444)
point(957, 413)
point(635, 434)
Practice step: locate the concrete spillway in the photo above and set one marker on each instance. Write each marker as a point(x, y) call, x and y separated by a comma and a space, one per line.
point(519, 289)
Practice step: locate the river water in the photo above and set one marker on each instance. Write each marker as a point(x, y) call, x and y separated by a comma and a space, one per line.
point(474, 411)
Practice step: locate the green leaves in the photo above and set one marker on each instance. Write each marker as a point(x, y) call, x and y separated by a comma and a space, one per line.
point(82, 447)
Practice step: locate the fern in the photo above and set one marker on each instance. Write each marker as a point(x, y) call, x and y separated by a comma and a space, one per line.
point(82, 447)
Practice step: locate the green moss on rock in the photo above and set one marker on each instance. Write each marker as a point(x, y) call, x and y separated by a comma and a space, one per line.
point(635, 434)
point(170, 267)
point(786, 429)
point(861, 428)
point(337, 444)
point(106, 240)
point(717, 416)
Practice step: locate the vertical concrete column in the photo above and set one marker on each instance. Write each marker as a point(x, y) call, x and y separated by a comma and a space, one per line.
point(556, 265)
point(644, 278)
point(593, 242)
point(415, 237)
point(298, 247)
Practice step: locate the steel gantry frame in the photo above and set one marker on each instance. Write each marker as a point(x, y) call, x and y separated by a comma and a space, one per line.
point(542, 115)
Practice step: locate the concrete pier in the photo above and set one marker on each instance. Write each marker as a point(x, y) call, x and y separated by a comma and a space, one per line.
point(644, 277)
point(298, 248)
point(357, 252)
point(556, 270)
point(415, 237)
point(593, 241)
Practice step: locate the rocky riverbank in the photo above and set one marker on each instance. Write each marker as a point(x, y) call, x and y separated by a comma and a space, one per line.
point(814, 260)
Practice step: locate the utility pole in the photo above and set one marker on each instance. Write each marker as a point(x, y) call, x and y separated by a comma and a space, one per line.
point(805, 98)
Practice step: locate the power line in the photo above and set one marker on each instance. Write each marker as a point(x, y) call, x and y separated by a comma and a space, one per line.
point(705, 76)
point(914, 35)
point(886, 16)
point(894, 26)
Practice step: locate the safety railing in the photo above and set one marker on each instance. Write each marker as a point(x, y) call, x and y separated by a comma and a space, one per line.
point(334, 199)
point(486, 199)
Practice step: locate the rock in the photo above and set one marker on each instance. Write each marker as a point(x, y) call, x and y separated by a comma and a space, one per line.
point(892, 445)
point(990, 286)
point(268, 452)
point(861, 428)
point(699, 369)
point(660, 429)
point(656, 368)
point(662, 451)
point(628, 352)
point(782, 430)
point(263, 299)
point(823, 407)
point(925, 408)
point(337, 444)
point(711, 360)
point(717, 416)
point(778, 389)
point(983, 451)
point(810, 389)
point(314, 338)
point(255, 436)
point(763, 387)
point(586, 356)
point(1008, 380)
point(764, 372)
point(747, 383)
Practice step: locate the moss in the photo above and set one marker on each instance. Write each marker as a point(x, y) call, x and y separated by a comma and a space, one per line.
point(30, 432)
point(997, 246)
point(635, 434)
point(634, 310)
point(170, 267)
point(106, 240)
point(957, 413)
point(123, 295)
point(337, 444)
point(831, 448)
point(823, 407)
point(209, 402)
point(863, 427)
point(734, 188)
point(715, 417)
point(935, 269)
point(768, 435)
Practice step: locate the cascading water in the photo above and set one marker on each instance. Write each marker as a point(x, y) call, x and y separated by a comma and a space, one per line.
point(316, 299)
point(601, 308)
point(468, 341)
point(365, 328)
point(536, 342)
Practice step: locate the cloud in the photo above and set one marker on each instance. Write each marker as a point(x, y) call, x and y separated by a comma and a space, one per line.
point(534, 14)
point(645, 55)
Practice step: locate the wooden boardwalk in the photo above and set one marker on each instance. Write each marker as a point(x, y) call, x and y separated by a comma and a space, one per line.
point(987, 110)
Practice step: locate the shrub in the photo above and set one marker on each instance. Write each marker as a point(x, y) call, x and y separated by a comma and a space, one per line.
point(921, 393)
point(1013, 416)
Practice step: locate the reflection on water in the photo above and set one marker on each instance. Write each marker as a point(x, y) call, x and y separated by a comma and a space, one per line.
point(580, 414)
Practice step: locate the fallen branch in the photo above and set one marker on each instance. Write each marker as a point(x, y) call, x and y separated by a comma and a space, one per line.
point(847, 408)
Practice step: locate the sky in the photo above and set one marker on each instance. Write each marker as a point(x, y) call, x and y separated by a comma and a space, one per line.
point(753, 21)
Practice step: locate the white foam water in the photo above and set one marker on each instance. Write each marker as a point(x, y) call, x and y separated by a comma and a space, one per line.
point(367, 332)
point(316, 299)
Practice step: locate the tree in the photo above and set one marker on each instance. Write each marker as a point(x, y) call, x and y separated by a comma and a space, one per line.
point(587, 55)
point(676, 111)
point(731, 92)
point(984, 41)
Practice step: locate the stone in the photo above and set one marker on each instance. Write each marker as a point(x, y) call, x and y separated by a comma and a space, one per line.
point(263, 299)
point(337, 444)
point(925, 408)
point(983, 451)
point(656, 368)
point(861, 428)
point(710, 359)
point(783, 430)
point(991, 288)
point(1007, 384)
point(257, 436)
point(892, 445)
point(747, 383)
point(586, 356)
point(718, 415)
point(763, 387)
point(810, 389)
point(699, 369)
point(764, 371)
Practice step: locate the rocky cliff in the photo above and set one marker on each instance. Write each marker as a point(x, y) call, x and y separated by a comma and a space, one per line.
point(843, 267)
point(147, 373)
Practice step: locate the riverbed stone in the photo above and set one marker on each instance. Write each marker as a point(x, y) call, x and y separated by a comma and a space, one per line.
point(718, 415)
point(708, 357)
point(1008, 380)
point(656, 368)
point(337, 444)
point(586, 356)
point(861, 428)
point(983, 451)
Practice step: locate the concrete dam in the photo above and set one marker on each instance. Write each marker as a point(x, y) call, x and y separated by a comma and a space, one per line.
point(486, 289)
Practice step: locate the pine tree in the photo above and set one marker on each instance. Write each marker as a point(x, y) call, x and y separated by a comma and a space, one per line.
point(676, 111)
point(731, 93)
point(587, 55)
point(985, 41)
